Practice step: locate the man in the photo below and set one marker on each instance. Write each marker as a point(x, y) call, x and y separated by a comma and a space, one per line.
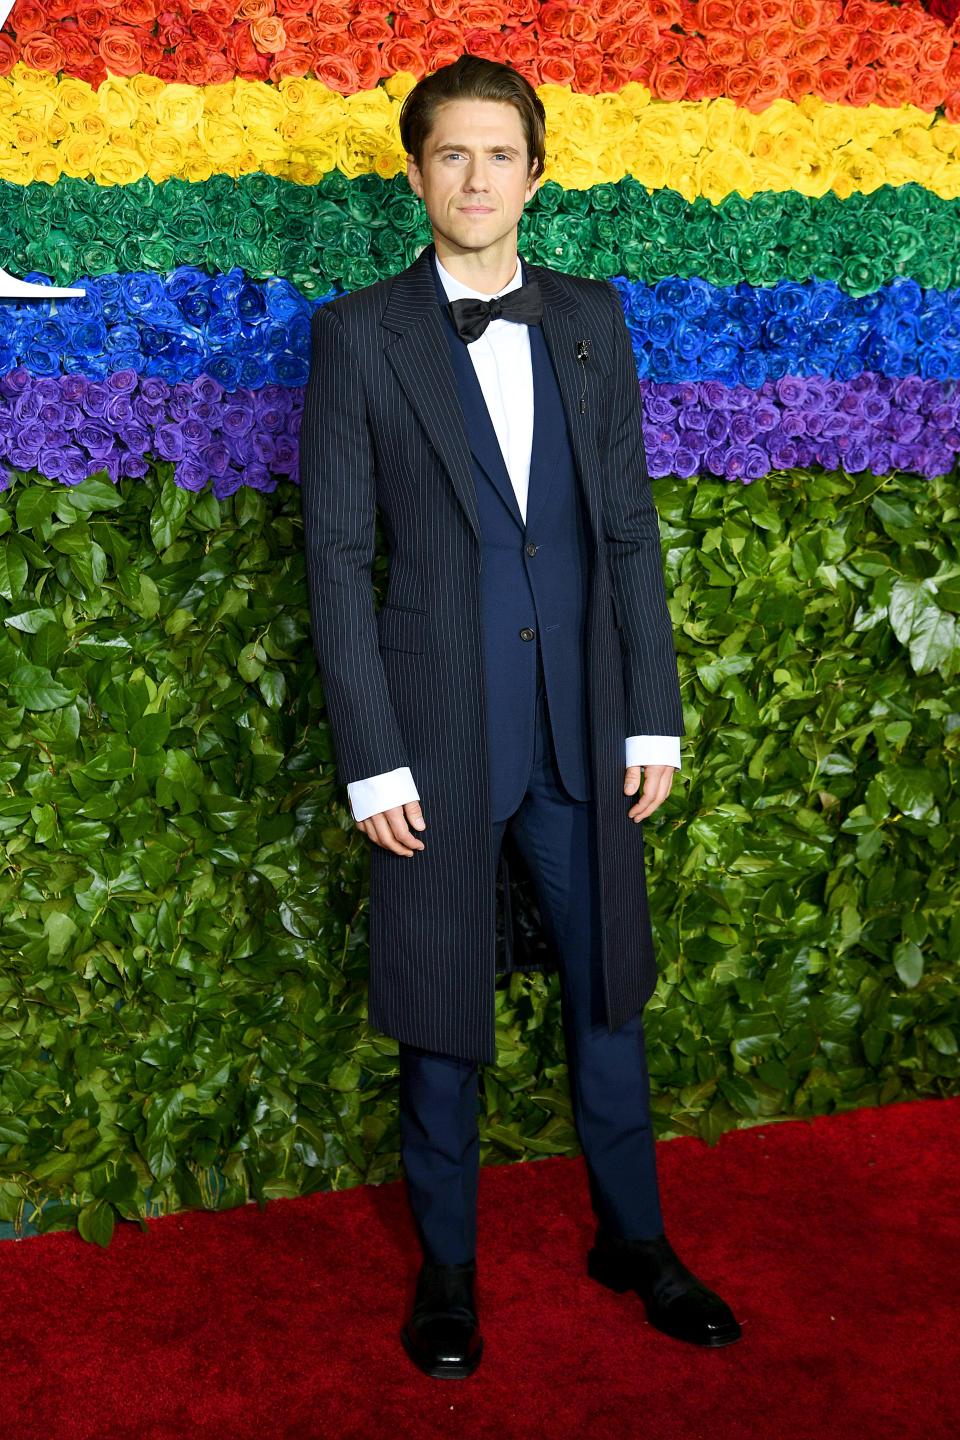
point(505, 698)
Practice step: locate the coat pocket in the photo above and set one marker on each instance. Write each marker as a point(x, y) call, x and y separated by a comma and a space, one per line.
point(400, 628)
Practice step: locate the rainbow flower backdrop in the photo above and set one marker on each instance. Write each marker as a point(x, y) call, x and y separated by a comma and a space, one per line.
point(772, 186)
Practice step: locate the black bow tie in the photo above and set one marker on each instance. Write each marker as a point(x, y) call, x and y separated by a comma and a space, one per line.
point(472, 317)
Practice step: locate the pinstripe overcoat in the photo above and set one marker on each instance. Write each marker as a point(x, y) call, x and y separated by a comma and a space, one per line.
point(383, 432)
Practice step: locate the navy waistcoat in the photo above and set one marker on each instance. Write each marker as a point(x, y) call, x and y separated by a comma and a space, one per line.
point(534, 581)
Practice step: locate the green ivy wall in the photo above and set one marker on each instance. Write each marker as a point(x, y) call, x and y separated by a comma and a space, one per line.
point(183, 891)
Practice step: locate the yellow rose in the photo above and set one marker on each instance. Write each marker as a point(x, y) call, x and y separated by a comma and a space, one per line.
point(178, 108)
point(118, 164)
point(118, 103)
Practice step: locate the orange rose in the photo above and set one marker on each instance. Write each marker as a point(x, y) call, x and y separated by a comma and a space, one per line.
point(78, 53)
point(929, 91)
point(715, 15)
point(436, 58)
point(120, 51)
point(801, 80)
point(607, 10)
point(268, 35)
point(441, 9)
point(294, 63)
point(29, 18)
point(300, 32)
point(668, 49)
point(551, 18)
point(834, 79)
point(401, 55)
point(327, 19)
point(669, 82)
point(725, 49)
point(746, 16)
point(911, 22)
point(41, 52)
point(774, 12)
point(805, 14)
point(893, 88)
point(139, 12)
point(867, 49)
point(92, 20)
point(556, 62)
point(644, 35)
point(632, 12)
point(207, 35)
point(741, 80)
point(811, 48)
point(191, 63)
point(580, 26)
point(858, 14)
point(664, 13)
point(589, 73)
point(935, 52)
point(695, 53)
point(374, 30)
point(486, 15)
point(772, 79)
point(862, 86)
point(841, 40)
point(901, 53)
point(884, 19)
point(253, 9)
point(369, 70)
point(778, 38)
point(520, 47)
point(337, 72)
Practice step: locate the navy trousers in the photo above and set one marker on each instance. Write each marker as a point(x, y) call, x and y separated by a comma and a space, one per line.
point(609, 1081)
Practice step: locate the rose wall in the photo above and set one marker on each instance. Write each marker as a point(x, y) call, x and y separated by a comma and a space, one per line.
point(774, 190)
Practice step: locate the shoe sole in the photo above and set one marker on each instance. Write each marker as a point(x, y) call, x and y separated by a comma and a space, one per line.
point(598, 1271)
point(460, 1370)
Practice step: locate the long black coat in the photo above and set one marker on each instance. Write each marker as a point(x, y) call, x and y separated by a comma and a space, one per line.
point(383, 428)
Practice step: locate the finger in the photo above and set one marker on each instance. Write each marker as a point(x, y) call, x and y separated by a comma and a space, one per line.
point(657, 785)
point(385, 835)
point(401, 830)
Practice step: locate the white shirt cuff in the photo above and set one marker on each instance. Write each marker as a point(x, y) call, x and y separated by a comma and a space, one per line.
point(381, 792)
point(653, 750)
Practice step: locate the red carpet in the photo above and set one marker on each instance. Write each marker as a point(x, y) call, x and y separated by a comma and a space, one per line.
point(835, 1241)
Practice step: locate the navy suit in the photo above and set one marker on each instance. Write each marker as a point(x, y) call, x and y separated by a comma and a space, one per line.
point(539, 777)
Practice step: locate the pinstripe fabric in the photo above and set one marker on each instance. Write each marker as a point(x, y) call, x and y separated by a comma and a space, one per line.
point(382, 427)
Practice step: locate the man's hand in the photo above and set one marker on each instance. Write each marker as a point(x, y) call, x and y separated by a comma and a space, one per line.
point(390, 828)
point(656, 787)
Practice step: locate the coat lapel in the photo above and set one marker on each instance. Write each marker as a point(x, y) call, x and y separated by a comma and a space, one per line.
point(420, 357)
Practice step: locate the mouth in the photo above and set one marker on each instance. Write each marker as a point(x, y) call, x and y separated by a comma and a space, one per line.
point(476, 210)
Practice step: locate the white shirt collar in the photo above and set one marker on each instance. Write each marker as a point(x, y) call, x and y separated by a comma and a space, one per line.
point(456, 290)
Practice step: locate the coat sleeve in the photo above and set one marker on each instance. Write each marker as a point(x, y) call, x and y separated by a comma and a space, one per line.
point(654, 705)
point(338, 504)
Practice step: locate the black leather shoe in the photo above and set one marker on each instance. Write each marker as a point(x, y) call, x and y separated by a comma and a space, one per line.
point(441, 1335)
point(676, 1301)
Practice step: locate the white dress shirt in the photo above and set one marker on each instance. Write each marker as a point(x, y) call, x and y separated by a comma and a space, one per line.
point(501, 358)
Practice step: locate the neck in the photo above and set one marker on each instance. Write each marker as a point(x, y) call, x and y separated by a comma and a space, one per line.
point(484, 270)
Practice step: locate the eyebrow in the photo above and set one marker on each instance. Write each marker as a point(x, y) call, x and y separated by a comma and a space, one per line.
point(454, 145)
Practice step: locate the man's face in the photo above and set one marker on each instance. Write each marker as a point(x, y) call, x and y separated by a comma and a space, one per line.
point(474, 179)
